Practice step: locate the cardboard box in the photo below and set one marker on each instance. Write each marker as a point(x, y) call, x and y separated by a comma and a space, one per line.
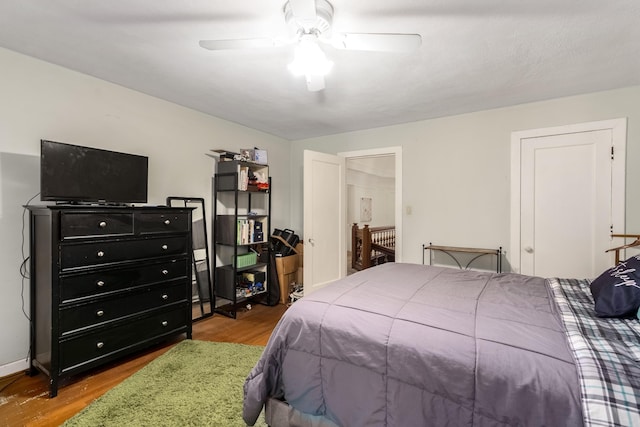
point(287, 268)
point(300, 251)
point(300, 275)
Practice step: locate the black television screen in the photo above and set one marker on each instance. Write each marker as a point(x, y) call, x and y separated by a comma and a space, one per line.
point(72, 173)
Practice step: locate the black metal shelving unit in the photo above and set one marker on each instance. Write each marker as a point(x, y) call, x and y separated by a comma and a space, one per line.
point(237, 211)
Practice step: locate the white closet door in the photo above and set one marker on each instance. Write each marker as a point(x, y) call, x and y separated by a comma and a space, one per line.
point(569, 203)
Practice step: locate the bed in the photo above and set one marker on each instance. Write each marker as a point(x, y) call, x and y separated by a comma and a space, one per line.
point(414, 345)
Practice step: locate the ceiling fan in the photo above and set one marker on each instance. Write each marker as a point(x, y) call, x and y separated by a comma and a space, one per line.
point(310, 21)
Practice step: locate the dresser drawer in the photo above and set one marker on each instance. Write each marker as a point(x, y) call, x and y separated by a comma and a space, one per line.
point(161, 222)
point(78, 224)
point(73, 318)
point(104, 282)
point(105, 252)
point(89, 349)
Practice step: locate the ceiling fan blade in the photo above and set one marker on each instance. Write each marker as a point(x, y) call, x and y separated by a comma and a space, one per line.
point(241, 44)
point(381, 42)
point(315, 82)
point(303, 11)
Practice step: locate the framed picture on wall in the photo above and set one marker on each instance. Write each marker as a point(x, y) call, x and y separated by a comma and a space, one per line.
point(365, 209)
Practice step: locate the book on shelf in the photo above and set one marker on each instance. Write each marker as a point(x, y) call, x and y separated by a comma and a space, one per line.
point(248, 229)
point(243, 178)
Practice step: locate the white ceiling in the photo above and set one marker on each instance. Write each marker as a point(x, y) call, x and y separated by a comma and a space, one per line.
point(475, 55)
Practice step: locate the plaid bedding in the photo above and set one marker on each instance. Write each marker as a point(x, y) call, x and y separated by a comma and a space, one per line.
point(607, 354)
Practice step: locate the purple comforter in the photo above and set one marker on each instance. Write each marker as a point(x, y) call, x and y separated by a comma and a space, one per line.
point(413, 345)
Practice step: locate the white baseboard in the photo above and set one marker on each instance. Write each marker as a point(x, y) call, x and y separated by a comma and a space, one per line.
point(13, 367)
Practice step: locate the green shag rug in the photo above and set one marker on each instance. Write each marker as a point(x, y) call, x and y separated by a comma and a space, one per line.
point(196, 383)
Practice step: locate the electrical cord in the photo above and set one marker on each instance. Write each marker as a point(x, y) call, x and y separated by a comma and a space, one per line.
point(24, 271)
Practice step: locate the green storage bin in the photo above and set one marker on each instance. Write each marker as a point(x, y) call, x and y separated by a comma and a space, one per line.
point(246, 260)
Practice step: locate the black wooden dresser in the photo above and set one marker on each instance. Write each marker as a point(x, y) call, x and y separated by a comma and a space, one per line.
point(105, 282)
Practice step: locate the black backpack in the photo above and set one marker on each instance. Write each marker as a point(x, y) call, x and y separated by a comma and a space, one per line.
point(273, 284)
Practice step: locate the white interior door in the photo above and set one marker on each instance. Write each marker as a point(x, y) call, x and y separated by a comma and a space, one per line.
point(324, 220)
point(569, 200)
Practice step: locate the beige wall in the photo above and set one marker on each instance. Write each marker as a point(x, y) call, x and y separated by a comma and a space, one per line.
point(41, 100)
point(456, 170)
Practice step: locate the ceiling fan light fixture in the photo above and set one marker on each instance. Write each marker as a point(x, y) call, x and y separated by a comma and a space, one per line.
point(309, 14)
point(310, 22)
point(309, 59)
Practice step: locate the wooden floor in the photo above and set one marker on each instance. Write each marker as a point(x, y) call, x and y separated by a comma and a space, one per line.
point(24, 400)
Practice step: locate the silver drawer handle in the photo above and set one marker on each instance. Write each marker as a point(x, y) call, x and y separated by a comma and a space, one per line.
point(103, 224)
point(100, 345)
point(165, 323)
point(99, 313)
point(165, 296)
point(165, 247)
point(167, 221)
point(165, 272)
point(100, 254)
point(100, 283)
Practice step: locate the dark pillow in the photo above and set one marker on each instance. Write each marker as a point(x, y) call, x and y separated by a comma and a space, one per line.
point(617, 291)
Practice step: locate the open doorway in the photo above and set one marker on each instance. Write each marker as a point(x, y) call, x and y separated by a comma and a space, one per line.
point(374, 206)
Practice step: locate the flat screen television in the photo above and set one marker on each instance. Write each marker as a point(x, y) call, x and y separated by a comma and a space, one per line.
point(76, 174)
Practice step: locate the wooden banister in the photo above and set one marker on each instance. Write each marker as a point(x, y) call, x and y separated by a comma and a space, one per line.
point(371, 246)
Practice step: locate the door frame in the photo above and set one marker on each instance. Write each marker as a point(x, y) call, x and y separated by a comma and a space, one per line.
point(618, 129)
point(387, 151)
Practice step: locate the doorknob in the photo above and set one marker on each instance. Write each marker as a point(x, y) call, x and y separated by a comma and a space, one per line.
point(312, 242)
point(528, 250)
